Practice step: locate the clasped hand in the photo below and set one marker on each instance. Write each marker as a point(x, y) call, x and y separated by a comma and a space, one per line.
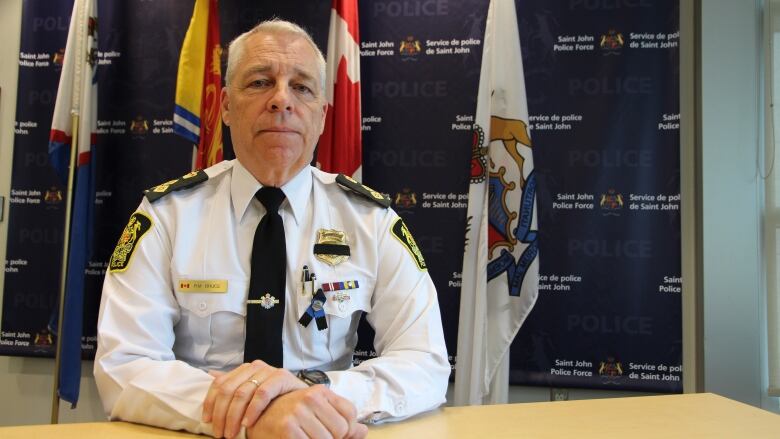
point(272, 402)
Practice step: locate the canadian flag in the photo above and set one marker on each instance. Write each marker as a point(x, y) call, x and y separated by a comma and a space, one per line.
point(339, 149)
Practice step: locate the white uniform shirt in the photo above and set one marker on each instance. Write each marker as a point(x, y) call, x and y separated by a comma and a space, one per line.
point(156, 342)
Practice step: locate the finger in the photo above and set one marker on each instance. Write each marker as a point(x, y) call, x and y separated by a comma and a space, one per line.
point(216, 373)
point(295, 432)
point(338, 426)
point(343, 406)
point(278, 383)
point(211, 395)
point(311, 424)
point(237, 407)
point(225, 394)
point(208, 403)
point(220, 379)
point(357, 431)
point(318, 399)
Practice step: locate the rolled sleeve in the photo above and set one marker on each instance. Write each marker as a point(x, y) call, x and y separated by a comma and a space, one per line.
point(136, 372)
point(411, 371)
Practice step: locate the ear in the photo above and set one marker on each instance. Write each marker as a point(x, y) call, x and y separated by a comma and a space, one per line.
point(225, 106)
point(324, 114)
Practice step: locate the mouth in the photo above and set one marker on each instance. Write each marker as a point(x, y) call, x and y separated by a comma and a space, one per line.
point(279, 130)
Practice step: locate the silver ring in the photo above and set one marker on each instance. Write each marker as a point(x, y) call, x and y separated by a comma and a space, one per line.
point(255, 382)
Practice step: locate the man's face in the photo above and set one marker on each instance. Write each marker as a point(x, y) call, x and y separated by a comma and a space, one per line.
point(275, 106)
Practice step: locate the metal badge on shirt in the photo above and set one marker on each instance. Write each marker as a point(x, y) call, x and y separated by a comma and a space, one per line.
point(331, 247)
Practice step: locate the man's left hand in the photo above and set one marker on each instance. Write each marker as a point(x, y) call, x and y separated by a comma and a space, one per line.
point(239, 397)
point(315, 412)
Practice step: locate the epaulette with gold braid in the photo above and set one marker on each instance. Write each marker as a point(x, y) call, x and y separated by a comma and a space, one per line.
point(187, 181)
point(353, 185)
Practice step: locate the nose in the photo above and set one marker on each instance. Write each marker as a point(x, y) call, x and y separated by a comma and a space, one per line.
point(280, 100)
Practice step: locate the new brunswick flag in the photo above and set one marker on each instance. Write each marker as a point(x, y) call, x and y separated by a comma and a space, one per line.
point(196, 116)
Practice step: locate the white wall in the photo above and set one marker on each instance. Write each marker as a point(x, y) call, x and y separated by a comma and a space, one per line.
point(734, 346)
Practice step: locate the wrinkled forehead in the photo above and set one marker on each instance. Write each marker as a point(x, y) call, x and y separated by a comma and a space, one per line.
point(279, 51)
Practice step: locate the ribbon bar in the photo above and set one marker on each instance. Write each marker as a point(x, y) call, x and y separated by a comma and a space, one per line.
point(338, 286)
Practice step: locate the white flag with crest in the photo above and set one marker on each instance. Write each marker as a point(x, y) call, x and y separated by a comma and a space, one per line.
point(501, 260)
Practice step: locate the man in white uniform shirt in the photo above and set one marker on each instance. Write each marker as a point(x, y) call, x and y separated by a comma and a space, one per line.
point(172, 329)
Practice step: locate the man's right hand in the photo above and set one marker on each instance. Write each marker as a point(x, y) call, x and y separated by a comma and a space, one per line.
point(313, 412)
point(240, 396)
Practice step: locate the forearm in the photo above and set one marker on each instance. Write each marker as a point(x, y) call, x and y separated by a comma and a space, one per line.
point(411, 370)
point(394, 385)
point(167, 393)
point(136, 371)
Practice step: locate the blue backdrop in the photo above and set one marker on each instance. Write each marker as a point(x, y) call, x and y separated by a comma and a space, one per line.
point(603, 87)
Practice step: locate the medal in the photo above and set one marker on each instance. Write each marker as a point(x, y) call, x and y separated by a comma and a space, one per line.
point(341, 297)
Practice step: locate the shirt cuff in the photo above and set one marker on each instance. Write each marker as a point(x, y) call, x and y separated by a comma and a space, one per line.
point(355, 387)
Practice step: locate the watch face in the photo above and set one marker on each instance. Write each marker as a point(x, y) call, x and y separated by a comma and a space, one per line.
point(313, 376)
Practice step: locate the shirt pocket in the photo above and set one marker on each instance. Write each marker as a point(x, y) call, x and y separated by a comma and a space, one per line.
point(343, 303)
point(343, 319)
point(210, 333)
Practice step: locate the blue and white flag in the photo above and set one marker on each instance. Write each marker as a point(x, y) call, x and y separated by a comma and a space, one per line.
point(76, 96)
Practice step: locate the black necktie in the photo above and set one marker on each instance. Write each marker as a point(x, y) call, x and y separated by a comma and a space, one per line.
point(265, 307)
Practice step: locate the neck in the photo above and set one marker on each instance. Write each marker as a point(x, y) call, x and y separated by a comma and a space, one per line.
point(274, 177)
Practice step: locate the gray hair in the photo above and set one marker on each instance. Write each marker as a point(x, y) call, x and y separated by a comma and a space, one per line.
point(272, 26)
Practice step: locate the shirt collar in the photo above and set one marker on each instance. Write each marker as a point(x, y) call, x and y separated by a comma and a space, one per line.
point(244, 186)
point(298, 191)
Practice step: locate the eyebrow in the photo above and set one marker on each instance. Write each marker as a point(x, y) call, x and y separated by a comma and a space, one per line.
point(266, 68)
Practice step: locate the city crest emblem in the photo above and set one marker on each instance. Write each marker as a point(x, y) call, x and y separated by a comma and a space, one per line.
point(43, 338)
point(139, 126)
point(53, 196)
point(511, 194)
point(478, 156)
point(611, 203)
point(405, 199)
point(611, 371)
point(611, 42)
point(135, 229)
point(409, 49)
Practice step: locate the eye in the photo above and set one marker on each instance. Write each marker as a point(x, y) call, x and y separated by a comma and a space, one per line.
point(303, 88)
point(259, 83)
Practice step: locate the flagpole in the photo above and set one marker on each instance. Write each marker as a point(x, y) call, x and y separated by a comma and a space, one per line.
point(55, 397)
point(78, 50)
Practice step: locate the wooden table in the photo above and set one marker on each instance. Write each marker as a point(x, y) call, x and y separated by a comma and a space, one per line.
point(676, 416)
point(91, 430)
point(703, 415)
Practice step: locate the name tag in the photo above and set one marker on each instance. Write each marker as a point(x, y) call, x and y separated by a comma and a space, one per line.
point(203, 286)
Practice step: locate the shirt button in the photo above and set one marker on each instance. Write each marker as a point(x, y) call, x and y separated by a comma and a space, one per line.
point(400, 407)
point(202, 306)
point(342, 306)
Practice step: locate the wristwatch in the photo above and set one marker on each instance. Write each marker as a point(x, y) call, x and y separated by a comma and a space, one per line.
point(313, 377)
